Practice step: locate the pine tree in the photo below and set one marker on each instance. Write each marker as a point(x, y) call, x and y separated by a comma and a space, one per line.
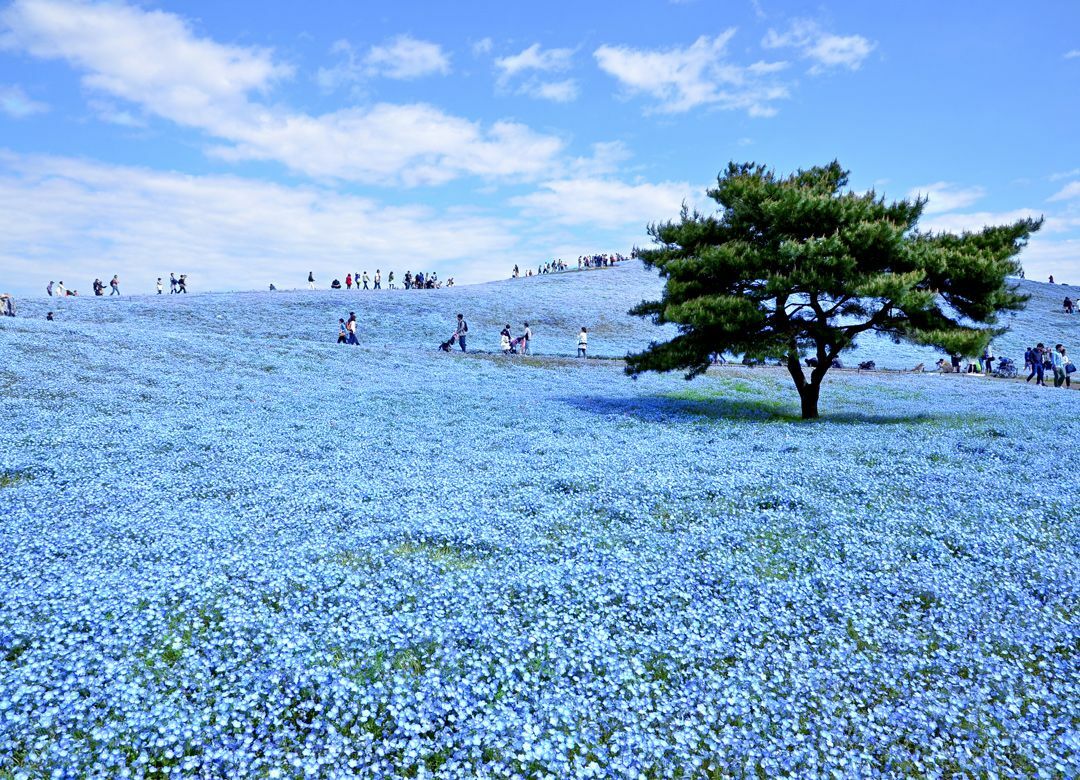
point(798, 266)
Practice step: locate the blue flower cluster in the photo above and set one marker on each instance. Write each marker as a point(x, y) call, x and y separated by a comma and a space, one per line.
point(231, 548)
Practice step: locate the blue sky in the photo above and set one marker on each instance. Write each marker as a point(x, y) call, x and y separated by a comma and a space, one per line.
point(243, 143)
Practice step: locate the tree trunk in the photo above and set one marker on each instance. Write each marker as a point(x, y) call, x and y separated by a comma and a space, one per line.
point(808, 394)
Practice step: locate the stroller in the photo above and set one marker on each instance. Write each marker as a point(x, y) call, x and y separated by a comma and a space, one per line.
point(1006, 369)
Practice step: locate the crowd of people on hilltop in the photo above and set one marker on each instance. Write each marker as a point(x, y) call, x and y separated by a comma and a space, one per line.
point(365, 281)
point(558, 266)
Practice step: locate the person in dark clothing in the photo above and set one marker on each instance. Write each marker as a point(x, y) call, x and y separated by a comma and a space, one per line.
point(955, 363)
point(1037, 368)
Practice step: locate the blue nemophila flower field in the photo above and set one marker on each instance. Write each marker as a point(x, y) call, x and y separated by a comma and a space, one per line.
point(231, 547)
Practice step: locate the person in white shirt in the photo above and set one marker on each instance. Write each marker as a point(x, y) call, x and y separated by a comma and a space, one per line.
point(504, 339)
point(527, 341)
point(160, 286)
point(582, 342)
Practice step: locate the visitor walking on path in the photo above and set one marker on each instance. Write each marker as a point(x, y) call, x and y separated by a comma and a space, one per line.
point(378, 279)
point(351, 327)
point(159, 286)
point(526, 344)
point(366, 280)
point(311, 280)
point(182, 283)
point(1057, 363)
point(1068, 365)
point(390, 280)
point(343, 332)
point(462, 329)
point(582, 342)
point(115, 285)
point(172, 284)
point(1038, 368)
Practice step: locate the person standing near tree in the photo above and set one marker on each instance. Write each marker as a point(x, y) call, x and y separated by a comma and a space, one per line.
point(583, 342)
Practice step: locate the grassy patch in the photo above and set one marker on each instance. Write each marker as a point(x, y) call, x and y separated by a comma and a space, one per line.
point(447, 556)
point(14, 477)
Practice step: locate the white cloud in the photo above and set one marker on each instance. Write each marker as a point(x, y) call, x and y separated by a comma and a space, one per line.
point(17, 104)
point(946, 196)
point(148, 57)
point(1065, 174)
point(402, 58)
point(1072, 55)
point(959, 223)
point(535, 58)
point(154, 59)
point(556, 91)
point(482, 47)
point(70, 219)
point(415, 144)
point(683, 78)
point(606, 203)
point(407, 58)
point(1068, 192)
point(824, 49)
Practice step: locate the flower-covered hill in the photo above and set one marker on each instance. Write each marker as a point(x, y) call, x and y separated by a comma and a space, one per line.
point(231, 548)
point(556, 305)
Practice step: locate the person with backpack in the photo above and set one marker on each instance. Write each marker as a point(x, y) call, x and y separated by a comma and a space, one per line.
point(1067, 365)
point(582, 342)
point(343, 332)
point(462, 329)
point(115, 285)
